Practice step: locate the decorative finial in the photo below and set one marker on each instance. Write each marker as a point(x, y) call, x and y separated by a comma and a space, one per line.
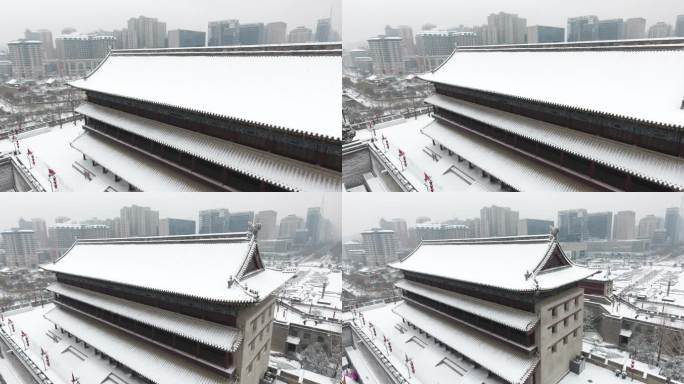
point(554, 232)
point(254, 229)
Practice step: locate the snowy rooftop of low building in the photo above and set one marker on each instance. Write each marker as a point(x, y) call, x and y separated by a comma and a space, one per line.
point(658, 167)
point(501, 314)
point(646, 85)
point(278, 170)
point(153, 362)
point(209, 267)
point(206, 332)
point(517, 263)
point(284, 90)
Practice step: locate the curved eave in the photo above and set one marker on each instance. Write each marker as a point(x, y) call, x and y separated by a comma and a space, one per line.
point(668, 184)
point(232, 348)
point(163, 291)
point(291, 131)
point(566, 106)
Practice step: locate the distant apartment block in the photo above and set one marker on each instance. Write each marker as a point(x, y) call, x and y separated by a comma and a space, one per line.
point(179, 38)
point(27, 59)
point(172, 227)
point(276, 33)
point(544, 34)
point(77, 55)
point(146, 32)
point(300, 35)
point(223, 32)
point(635, 28)
point(506, 28)
point(583, 28)
point(388, 58)
point(660, 30)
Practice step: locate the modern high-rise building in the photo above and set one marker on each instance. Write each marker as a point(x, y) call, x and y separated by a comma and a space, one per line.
point(174, 227)
point(213, 220)
point(240, 221)
point(45, 37)
point(179, 38)
point(635, 28)
point(223, 32)
point(387, 54)
point(314, 223)
point(611, 29)
point(599, 225)
point(648, 225)
point(139, 221)
point(498, 221)
point(121, 36)
point(660, 30)
point(673, 223)
point(289, 225)
point(400, 229)
point(268, 220)
point(506, 28)
point(63, 236)
point(300, 35)
point(407, 39)
point(624, 225)
point(534, 227)
point(380, 246)
point(41, 231)
point(474, 227)
point(583, 28)
point(323, 30)
point(146, 32)
point(544, 34)
point(77, 55)
point(27, 59)
point(21, 248)
point(252, 34)
point(430, 231)
point(572, 225)
point(433, 47)
point(679, 26)
point(276, 33)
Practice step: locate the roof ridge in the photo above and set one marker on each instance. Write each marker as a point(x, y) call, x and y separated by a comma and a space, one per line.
point(210, 237)
point(490, 240)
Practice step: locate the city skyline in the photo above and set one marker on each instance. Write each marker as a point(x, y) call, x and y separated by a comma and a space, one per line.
point(360, 18)
point(183, 14)
point(30, 206)
point(467, 206)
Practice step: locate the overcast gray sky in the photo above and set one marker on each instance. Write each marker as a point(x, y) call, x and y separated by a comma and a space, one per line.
point(178, 205)
point(89, 15)
point(363, 210)
point(365, 18)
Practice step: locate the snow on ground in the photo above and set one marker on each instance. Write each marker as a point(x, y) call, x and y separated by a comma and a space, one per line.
point(447, 173)
point(432, 363)
point(65, 355)
point(593, 374)
point(51, 149)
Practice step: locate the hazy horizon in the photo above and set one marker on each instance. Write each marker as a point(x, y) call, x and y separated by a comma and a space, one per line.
point(531, 205)
point(87, 16)
point(80, 207)
point(362, 19)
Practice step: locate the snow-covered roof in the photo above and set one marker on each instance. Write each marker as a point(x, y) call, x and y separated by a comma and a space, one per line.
point(206, 332)
point(153, 362)
point(651, 165)
point(511, 167)
point(504, 360)
point(511, 317)
point(278, 170)
point(143, 172)
point(209, 267)
point(647, 85)
point(513, 263)
point(294, 92)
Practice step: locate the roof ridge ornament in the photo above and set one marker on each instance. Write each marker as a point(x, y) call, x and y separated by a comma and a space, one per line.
point(254, 228)
point(554, 233)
